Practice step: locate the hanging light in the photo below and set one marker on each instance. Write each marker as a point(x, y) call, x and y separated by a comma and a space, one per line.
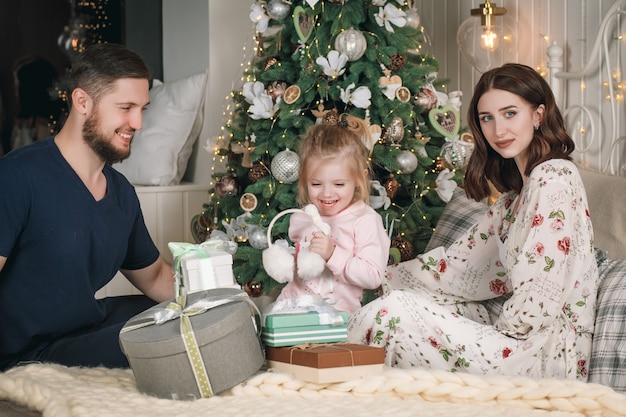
point(488, 42)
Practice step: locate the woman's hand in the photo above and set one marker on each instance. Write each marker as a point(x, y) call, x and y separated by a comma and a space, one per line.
point(322, 245)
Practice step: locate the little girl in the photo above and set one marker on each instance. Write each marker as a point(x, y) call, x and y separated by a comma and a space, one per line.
point(334, 176)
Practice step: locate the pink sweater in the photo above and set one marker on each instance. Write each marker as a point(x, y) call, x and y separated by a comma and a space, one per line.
point(357, 263)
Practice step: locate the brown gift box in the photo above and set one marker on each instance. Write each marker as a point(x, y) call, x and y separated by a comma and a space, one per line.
point(328, 362)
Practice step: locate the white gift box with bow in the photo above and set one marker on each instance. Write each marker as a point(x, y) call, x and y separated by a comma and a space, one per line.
point(201, 267)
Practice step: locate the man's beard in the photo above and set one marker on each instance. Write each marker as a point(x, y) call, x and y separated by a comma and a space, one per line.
point(100, 144)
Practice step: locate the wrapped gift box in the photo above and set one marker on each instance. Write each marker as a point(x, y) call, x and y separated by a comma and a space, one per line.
point(297, 328)
point(201, 267)
point(227, 341)
point(327, 363)
point(206, 270)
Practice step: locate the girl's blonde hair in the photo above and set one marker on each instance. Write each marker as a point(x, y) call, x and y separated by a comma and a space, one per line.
point(338, 136)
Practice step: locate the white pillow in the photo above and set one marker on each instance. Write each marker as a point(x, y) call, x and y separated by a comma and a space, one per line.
point(172, 122)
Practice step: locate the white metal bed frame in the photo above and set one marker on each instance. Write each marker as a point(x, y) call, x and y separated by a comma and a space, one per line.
point(580, 118)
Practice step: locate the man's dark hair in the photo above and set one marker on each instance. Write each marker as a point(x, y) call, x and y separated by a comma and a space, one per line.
point(98, 67)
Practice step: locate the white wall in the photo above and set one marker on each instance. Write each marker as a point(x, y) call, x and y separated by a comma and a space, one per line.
point(200, 34)
point(185, 38)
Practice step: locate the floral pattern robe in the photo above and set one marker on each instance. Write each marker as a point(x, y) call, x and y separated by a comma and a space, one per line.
point(514, 296)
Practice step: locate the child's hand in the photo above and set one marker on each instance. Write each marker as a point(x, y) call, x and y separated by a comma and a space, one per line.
point(322, 245)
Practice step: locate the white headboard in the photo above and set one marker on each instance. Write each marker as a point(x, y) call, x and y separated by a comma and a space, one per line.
point(592, 98)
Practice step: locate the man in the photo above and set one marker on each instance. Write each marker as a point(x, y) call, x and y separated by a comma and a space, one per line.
point(69, 222)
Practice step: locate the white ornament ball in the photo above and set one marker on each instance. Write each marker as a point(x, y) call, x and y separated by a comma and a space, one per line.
point(257, 237)
point(277, 9)
point(412, 18)
point(352, 43)
point(285, 166)
point(407, 161)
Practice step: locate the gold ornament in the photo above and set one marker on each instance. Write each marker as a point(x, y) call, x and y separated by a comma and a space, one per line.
point(320, 112)
point(244, 149)
point(257, 172)
point(277, 89)
point(331, 117)
point(201, 227)
point(375, 133)
point(397, 62)
point(391, 186)
point(467, 137)
point(291, 94)
point(227, 186)
point(248, 202)
point(269, 62)
point(260, 51)
point(254, 289)
point(394, 133)
point(403, 94)
point(422, 138)
point(389, 84)
point(426, 98)
point(405, 247)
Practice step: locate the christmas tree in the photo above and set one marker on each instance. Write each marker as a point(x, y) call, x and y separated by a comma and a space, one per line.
point(316, 59)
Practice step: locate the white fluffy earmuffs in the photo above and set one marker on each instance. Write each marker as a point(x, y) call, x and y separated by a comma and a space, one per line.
point(278, 260)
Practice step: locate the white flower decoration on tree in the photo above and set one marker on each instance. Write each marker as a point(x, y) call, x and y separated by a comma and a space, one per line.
point(262, 104)
point(445, 185)
point(259, 16)
point(236, 230)
point(333, 65)
point(252, 90)
point(358, 98)
point(263, 107)
point(388, 15)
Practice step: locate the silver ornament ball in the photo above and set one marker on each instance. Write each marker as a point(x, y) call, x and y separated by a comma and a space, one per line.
point(257, 238)
point(352, 43)
point(407, 161)
point(412, 18)
point(277, 9)
point(285, 166)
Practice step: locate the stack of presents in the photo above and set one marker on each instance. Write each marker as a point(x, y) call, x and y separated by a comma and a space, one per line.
point(212, 336)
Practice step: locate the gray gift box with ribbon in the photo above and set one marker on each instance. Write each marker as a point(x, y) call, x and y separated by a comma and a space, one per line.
point(194, 346)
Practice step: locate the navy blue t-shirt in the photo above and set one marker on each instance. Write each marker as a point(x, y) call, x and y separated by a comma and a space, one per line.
point(61, 246)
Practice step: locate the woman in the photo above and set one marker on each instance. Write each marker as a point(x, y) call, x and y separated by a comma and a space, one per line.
point(531, 256)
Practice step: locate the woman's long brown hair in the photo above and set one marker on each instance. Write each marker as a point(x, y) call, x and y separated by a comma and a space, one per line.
point(550, 140)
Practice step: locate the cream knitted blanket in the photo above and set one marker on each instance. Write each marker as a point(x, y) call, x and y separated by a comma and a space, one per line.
point(59, 391)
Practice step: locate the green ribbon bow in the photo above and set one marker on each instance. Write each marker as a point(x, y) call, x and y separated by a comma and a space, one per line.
point(181, 249)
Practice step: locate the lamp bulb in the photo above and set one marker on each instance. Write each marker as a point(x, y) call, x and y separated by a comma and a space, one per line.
point(489, 40)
